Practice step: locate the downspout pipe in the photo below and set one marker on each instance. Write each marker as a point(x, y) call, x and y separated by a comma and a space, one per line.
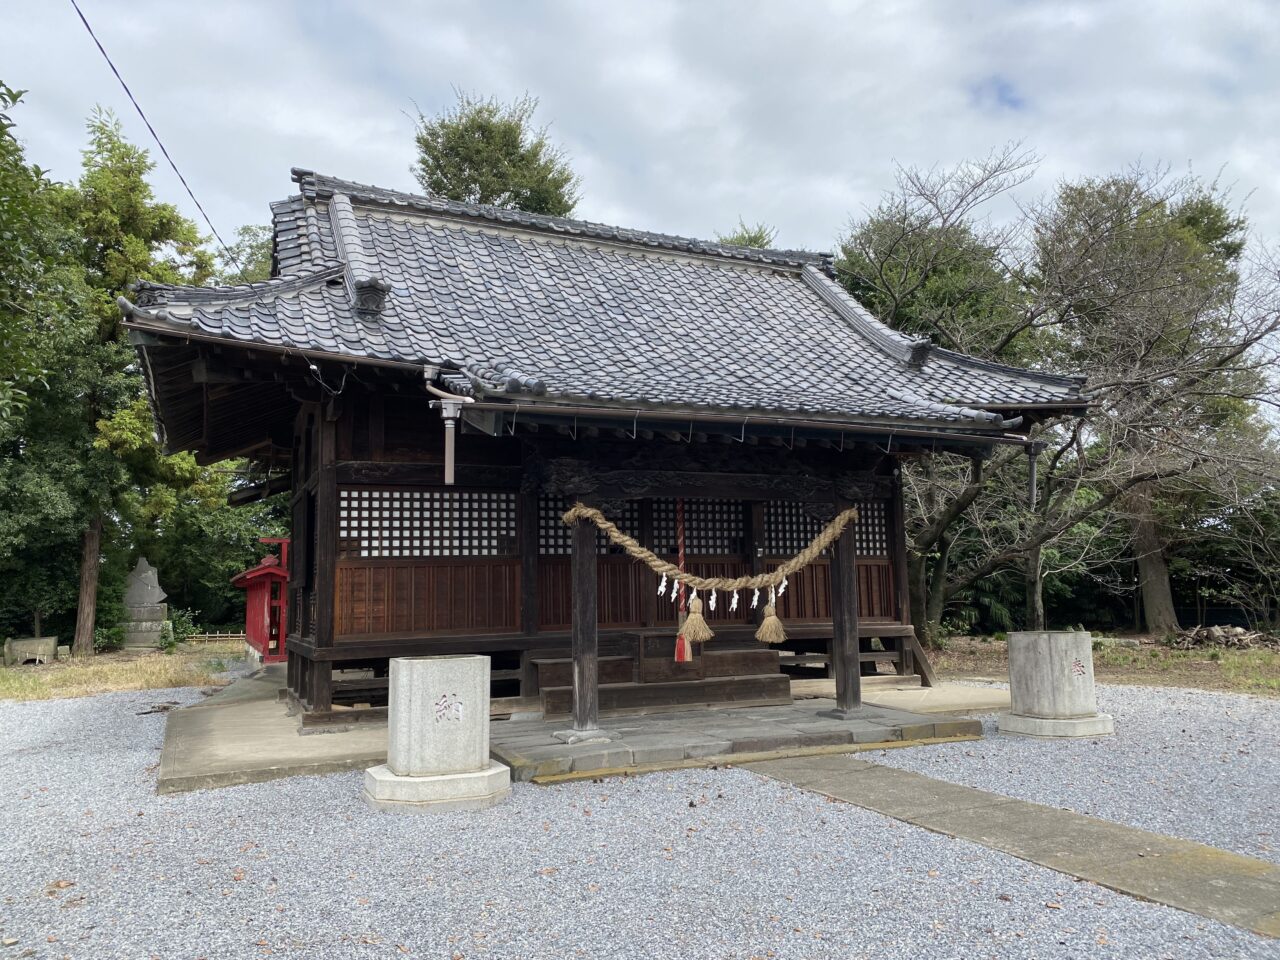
point(450, 406)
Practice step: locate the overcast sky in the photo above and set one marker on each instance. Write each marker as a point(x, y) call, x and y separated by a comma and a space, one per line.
point(679, 116)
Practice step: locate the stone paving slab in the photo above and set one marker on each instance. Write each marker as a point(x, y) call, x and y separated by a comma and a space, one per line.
point(244, 734)
point(1224, 886)
point(705, 737)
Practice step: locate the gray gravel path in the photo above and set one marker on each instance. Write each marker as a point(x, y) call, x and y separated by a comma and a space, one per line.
point(688, 864)
point(1203, 766)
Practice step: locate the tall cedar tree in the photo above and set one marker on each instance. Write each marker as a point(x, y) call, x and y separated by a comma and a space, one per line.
point(485, 151)
point(126, 236)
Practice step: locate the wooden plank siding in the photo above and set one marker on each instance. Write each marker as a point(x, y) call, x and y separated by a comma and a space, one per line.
point(467, 595)
point(412, 597)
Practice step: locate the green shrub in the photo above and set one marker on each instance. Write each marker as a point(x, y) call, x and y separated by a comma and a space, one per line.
point(108, 638)
point(182, 624)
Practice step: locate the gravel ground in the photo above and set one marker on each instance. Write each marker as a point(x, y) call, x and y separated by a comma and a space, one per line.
point(686, 864)
point(1204, 766)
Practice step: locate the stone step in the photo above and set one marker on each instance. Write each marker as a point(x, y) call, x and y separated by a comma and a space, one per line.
point(622, 698)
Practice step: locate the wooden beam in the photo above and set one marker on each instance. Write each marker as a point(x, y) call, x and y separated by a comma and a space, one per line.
point(845, 647)
point(586, 691)
point(527, 517)
point(326, 533)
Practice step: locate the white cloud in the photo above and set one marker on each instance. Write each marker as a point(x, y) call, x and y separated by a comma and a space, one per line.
point(679, 116)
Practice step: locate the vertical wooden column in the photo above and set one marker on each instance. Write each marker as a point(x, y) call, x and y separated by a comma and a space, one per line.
point(326, 534)
point(648, 596)
point(754, 521)
point(845, 645)
point(527, 517)
point(898, 542)
point(586, 687)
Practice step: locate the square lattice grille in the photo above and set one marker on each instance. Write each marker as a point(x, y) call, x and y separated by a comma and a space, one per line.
point(425, 523)
point(788, 528)
point(556, 540)
point(711, 527)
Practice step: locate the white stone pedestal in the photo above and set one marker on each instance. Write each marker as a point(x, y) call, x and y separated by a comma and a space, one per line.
point(1051, 686)
point(437, 739)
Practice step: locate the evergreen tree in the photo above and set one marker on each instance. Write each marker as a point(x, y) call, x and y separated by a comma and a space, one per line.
point(485, 151)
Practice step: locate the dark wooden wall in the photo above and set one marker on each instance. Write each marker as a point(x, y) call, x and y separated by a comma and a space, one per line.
point(407, 576)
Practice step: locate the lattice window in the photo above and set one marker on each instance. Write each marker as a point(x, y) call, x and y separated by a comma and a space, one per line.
point(788, 528)
point(377, 523)
point(871, 532)
point(555, 539)
point(711, 527)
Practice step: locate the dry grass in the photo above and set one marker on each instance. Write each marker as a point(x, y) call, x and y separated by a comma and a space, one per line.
point(1237, 671)
point(193, 665)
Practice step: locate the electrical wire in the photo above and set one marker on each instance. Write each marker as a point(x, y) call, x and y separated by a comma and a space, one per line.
point(155, 136)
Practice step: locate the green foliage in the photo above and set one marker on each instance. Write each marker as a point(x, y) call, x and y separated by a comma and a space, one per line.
point(85, 446)
point(248, 259)
point(36, 289)
point(182, 624)
point(485, 151)
point(108, 638)
point(759, 235)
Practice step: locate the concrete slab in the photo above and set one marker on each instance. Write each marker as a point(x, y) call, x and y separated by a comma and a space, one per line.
point(900, 693)
point(1223, 886)
point(245, 735)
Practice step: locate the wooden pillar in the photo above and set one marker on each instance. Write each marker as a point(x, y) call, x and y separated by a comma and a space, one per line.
point(586, 688)
point(527, 516)
point(326, 534)
point(754, 520)
point(845, 647)
point(649, 597)
point(898, 543)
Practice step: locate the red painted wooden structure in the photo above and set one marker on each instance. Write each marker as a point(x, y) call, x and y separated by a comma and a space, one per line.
point(266, 621)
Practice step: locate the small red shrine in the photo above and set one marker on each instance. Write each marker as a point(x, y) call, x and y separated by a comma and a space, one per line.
point(266, 617)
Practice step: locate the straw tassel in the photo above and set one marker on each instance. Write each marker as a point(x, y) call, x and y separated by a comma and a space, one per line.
point(771, 630)
point(695, 626)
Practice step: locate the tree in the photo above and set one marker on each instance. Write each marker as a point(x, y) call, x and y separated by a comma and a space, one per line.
point(35, 288)
point(248, 259)
point(485, 151)
point(1121, 278)
point(759, 235)
point(126, 236)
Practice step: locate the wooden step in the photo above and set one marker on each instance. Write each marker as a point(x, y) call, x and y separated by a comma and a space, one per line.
point(558, 672)
point(622, 698)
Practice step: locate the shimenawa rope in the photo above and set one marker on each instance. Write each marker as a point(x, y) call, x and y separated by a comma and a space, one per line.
point(771, 630)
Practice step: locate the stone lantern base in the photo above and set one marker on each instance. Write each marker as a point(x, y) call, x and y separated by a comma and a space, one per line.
point(1051, 689)
point(383, 790)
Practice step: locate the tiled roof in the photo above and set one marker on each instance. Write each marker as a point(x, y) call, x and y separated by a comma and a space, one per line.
point(526, 305)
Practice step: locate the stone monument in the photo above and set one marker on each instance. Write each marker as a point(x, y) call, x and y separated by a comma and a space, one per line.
point(437, 739)
point(1051, 686)
point(145, 609)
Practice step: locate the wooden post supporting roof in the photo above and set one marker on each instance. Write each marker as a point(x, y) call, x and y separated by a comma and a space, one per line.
point(586, 674)
point(845, 646)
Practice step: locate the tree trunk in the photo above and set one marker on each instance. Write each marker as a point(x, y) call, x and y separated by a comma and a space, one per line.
point(936, 595)
point(37, 622)
point(1153, 570)
point(917, 591)
point(1034, 578)
point(87, 606)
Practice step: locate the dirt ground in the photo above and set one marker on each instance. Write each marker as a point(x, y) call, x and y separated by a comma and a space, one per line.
point(1150, 664)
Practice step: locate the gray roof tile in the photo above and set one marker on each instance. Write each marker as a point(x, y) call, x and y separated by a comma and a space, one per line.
point(524, 304)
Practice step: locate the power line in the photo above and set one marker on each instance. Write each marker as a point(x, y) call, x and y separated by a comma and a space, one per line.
point(155, 136)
